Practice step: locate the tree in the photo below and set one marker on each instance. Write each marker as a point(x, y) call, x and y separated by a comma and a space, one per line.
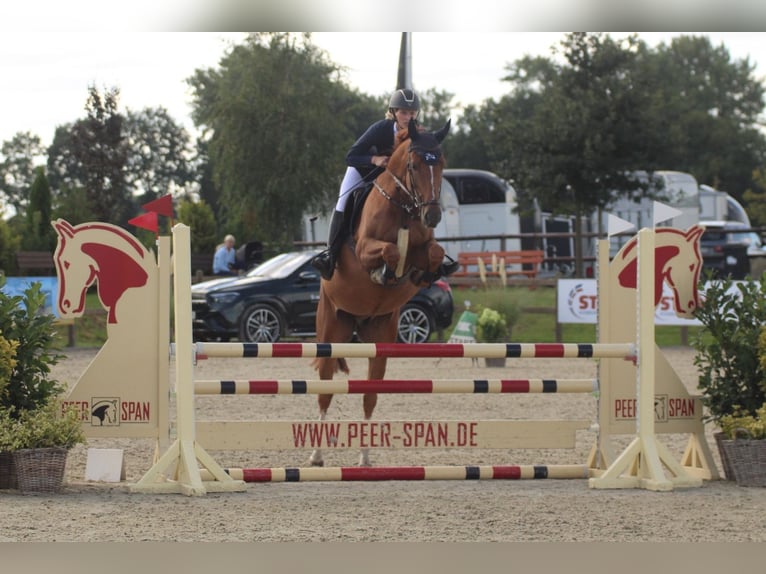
point(9, 245)
point(707, 108)
point(201, 221)
point(17, 169)
point(435, 108)
point(39, 235)
point(572, 134)
point(91, 154)
point(279, 122)
point(158, 154)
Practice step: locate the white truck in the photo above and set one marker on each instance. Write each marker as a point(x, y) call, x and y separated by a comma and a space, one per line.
point(474, 203)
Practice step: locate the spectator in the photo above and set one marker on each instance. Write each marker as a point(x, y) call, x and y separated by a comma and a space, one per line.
point(225, 260)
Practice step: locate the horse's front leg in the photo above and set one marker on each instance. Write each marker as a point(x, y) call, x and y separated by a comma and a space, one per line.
point(376, 370)
point(375, 254)
point(435, 255)
point(325, 367)
point(429, 258)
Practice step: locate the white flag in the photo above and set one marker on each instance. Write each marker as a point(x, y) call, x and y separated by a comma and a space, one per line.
point(615, 225)
point(664, 212)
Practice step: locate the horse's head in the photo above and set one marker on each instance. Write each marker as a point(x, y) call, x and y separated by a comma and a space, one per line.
point(423, 161)
point(677, 262)
point(683, 272)
point(74, 271)
point(97, 252)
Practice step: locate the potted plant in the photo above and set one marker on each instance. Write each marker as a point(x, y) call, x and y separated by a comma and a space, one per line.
point(745, 445)
point(40, 440)
point(730, 350)
point(491, 327)
point(7, 364)
point(26, 356)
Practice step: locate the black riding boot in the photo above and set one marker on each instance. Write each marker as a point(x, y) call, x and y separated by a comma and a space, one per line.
point(448, 267)
point(324, 262)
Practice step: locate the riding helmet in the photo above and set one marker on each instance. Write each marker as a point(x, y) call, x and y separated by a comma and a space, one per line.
point(405, 99)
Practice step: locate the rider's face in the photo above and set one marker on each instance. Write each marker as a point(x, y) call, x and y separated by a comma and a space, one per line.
point(403, 117)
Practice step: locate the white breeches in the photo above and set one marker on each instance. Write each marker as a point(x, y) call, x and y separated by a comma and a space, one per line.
point(351, 180)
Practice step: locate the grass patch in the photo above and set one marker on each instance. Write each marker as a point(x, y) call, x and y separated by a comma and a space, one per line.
point(540, 327)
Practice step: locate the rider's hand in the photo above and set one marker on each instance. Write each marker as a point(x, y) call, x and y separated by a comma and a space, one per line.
point(380, 160)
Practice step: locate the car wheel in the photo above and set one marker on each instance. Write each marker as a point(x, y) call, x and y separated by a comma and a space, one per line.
point(415, 325)
point(260, 324)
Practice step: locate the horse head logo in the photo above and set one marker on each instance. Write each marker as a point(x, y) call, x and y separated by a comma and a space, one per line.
point(677, 262)
point(97, 252)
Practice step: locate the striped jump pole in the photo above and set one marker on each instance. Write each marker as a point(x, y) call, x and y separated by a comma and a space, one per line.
point(420, 350)
point(386, 473)
point(384, 386)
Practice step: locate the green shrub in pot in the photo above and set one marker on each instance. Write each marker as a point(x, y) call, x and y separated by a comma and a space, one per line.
point(730, 348)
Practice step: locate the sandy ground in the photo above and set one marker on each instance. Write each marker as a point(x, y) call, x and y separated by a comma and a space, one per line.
point(446, 511)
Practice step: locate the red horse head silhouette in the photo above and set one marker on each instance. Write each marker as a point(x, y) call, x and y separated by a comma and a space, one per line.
point(677, 262)
point(100, 252)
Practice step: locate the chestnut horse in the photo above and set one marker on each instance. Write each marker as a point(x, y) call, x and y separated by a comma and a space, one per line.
point(405, 196)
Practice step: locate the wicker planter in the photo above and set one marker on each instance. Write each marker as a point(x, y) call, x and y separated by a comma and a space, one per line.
point(40, 469)
point(747, 458)
point(7, 471)
point(727, 470)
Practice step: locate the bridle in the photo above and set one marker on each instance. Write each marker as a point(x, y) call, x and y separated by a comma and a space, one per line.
point(416, 204)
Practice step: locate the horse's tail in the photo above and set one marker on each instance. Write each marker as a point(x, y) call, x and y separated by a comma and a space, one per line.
point(337, 364)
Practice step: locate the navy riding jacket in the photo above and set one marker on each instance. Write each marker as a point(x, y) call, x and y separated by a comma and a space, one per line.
point(377, 140)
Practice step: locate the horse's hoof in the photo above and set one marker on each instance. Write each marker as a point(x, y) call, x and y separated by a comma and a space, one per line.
point(318, 463)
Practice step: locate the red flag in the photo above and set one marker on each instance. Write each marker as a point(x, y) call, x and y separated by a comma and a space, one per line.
point(146, 221)
point(162, 206)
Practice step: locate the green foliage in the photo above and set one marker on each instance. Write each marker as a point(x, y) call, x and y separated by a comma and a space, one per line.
point(501, 300)
point(48, 426)
point(201, 221)
point(491, 327)
point(754, 426)
point(755, 198)
point(17, 168)
point(92, 154)
point(39, 235)
point(730, 346)
point(22, 320)
point(280, 122)
point(9, 245)
point(158, 155)
point(7, 362)
point(73, 205)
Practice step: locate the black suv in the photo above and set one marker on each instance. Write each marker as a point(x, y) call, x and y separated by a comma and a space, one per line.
point(279, 298)
point(726, 248)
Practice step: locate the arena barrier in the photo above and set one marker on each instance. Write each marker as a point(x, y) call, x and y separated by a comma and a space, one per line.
point(629, 392)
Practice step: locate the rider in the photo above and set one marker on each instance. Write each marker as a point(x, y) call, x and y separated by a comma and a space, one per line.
point(367, 159)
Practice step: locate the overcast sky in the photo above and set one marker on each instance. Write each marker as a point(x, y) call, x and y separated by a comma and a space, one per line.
point(45, 75)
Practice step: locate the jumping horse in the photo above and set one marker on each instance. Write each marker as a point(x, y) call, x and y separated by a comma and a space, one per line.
point(364, 294)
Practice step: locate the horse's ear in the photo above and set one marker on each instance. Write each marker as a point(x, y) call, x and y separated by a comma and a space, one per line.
point(442, 133)
point(63, 228)
point(412, 129)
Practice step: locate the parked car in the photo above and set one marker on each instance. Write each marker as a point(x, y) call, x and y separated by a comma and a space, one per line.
point(726, 251)
point(279, 298)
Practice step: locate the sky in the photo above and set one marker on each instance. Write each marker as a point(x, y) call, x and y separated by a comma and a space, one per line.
point(44, 76)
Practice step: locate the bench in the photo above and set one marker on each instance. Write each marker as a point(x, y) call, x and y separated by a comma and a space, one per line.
point(500, 264)
point(35, 263)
